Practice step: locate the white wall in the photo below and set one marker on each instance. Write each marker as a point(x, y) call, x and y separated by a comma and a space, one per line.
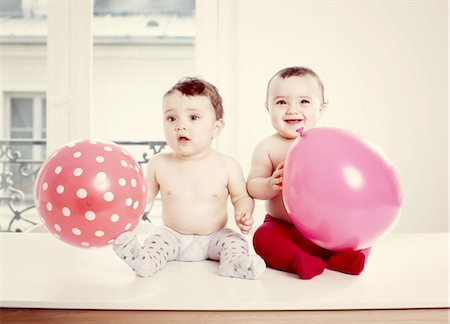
point(385, 69)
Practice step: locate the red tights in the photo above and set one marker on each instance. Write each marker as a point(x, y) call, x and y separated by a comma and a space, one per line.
point(283, 247)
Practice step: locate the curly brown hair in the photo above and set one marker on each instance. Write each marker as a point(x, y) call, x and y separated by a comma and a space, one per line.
point(192, 86)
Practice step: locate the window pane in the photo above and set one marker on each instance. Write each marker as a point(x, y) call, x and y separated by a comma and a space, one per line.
point(21, 113)
point(21, 134)
point(10, 8)
point(44, 118)
point(143, 7)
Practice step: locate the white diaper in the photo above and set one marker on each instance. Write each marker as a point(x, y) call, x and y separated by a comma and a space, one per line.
point(192, 247)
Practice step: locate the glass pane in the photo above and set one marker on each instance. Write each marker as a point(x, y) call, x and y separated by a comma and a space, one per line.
point(10, 8)
point(141, 49)
point(21, 134)
point(143, 7)
point(44, 117)
point(21, 113)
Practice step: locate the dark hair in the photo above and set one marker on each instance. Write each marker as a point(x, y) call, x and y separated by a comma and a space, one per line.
point(297, 71)
point(197, 87)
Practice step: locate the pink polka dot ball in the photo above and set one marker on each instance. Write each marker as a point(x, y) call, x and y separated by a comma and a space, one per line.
point(90, 191)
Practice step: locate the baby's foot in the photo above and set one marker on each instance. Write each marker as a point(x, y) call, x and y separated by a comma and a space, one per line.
point(348, 262)
point(309, 266)
point(146, 265)
point(128, 248)
point(245, 267)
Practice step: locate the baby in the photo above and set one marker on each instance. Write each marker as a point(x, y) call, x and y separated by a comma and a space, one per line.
point(295, 99)
point(195, 182)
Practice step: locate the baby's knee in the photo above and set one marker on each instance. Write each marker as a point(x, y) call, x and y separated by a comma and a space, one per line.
point(261, 235)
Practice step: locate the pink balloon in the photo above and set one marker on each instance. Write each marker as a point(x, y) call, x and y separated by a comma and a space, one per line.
point(90, 191)
point(340, 191)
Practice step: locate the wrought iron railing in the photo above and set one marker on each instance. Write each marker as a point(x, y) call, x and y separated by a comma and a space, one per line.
point(20, 161)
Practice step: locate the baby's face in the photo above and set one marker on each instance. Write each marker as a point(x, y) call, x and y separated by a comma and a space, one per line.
point(190, 123)
point(293, 103)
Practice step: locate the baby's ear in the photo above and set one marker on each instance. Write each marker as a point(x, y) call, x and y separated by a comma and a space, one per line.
point(218, 126)
point(323, 108)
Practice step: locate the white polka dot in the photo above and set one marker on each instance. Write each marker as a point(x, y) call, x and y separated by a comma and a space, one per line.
point(89, 215)
point(45, 186)
point(49, 206)
point(101, 176)
point(124, 163)
point(58, 169)
point(124, 152)
point(122, 182)
point(133, 182)
point(143, 188)
point(84, 243)
point(128, 202)
point(127, 227)
point(110, 241)
point(76, 231)
point(81, 193)
point(107, 148)
point(136, 204)
point(56, 235)
point(115, 218)
point(77, 172)
point(76, 155)
point(108, 196)
point(137, 169)
point(100, 159)
point(66, 211)
point(60, 189)
point(99, 233)
point(71, 144)
point(57, 227)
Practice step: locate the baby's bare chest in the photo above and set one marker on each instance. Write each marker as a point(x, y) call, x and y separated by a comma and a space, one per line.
point(210, 182)
point(277, 153)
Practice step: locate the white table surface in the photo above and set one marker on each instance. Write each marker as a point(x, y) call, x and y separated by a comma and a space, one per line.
point(38, 270)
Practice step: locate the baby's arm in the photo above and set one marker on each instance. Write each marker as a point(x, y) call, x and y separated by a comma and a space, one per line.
point(242, 202)
point(264, 183)
point(150, 180)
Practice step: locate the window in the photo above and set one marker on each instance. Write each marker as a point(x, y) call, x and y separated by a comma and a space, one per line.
point(141, 48)
point(25, 120)
point(26, 113)
point(25, 117)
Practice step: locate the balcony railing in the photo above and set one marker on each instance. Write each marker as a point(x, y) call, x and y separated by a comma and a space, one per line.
point(19, 165)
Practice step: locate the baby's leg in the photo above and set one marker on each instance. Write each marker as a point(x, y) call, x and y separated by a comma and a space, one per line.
point(158, 248)
point(231, 249)
point(351, 262)
point(274, 242)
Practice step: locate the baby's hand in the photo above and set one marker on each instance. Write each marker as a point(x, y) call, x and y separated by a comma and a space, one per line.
point(276, 181)
point(244, 221)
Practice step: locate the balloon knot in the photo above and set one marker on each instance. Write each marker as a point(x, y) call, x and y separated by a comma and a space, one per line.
point(301, 131)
